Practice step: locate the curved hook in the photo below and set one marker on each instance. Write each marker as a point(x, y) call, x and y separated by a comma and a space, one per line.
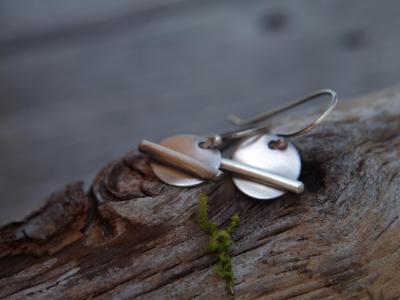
point(262, 117)
point(216, 141)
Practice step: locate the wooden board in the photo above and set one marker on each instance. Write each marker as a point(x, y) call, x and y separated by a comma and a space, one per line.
point(134, 237)
point(82, 83)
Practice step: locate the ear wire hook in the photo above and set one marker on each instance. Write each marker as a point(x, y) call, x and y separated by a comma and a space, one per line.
point(262, 117)
point(219, 141)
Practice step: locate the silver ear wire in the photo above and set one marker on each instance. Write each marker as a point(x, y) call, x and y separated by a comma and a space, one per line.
point(254, 127)
point(264, 116)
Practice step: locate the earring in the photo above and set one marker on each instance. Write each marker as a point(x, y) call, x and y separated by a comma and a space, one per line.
point(264, 165)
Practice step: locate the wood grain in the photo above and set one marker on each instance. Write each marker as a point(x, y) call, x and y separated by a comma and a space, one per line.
point(82, 82)
point(131, 236)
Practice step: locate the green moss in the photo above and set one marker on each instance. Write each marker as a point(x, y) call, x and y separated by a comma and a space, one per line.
point(220, 241)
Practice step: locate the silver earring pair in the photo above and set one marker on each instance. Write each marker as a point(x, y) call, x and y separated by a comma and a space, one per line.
point(264, 163)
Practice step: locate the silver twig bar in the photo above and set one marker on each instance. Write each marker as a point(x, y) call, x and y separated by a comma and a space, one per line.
point(180, 161)
point(262, 176)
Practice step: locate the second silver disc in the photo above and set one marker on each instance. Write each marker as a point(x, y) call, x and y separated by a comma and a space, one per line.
point(256, 152)
point(190, 146)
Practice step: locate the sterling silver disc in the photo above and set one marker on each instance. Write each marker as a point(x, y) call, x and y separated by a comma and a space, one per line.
point(190, 146)
point(255, 152)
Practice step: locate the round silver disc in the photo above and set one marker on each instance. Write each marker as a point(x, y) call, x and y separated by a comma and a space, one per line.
point(190, 146)
point(255, 152)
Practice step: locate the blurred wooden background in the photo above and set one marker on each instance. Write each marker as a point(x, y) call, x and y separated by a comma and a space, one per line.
point(82, 82)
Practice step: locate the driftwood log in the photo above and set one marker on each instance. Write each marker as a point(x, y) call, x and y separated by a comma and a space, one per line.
point(132, 236)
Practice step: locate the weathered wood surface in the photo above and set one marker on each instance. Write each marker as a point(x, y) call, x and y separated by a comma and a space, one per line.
point(81, 82)
point(132, 236)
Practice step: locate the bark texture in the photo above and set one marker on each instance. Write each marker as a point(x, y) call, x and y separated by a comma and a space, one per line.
point(132, 236)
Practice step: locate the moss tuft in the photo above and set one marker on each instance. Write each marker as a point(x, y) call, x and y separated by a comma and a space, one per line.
point(220, 240)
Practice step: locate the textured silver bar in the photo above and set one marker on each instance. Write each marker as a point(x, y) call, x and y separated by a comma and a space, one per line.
point(179, 161)
point(262, 176)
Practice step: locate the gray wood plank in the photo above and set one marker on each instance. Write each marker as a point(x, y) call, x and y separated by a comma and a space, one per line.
point(78, 94)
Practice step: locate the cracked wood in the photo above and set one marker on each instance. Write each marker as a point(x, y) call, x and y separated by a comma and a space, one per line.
point(132, 236)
